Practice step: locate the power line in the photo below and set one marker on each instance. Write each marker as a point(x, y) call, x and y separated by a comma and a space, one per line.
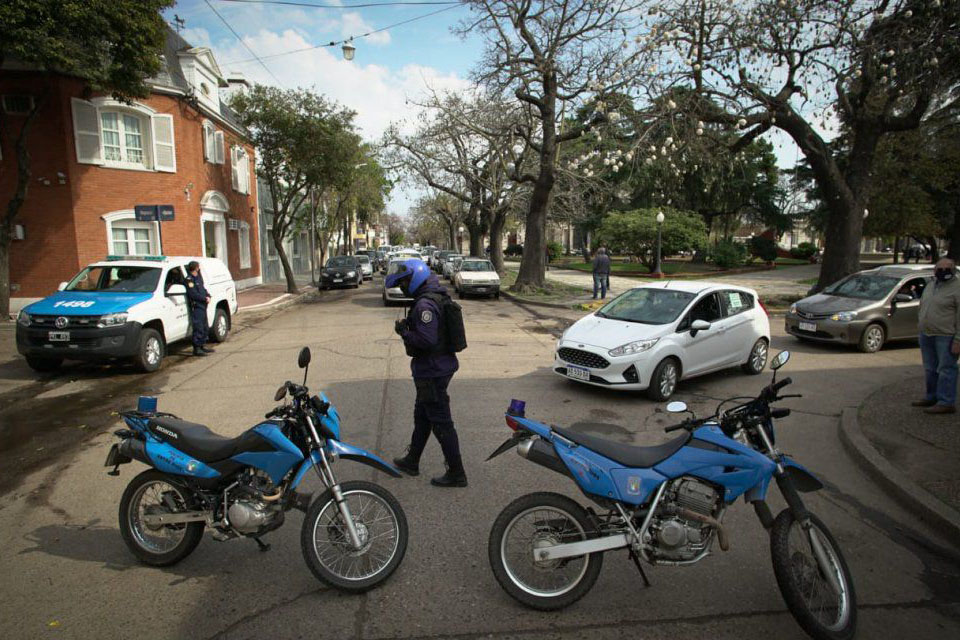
point(338, 42)
point(246, 46)
point(367, 5)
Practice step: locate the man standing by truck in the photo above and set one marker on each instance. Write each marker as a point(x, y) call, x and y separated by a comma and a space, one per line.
point(198, 299)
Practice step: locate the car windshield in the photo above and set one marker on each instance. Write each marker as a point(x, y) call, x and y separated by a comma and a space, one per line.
point(116, 278)
point(342, 261)
point(863, 286)
point(476, 265)
point(364, 259)
point(647, 306)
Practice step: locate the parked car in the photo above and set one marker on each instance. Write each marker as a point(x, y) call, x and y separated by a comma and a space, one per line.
point(341, 271)
point(394, 294)
point(868, 309)
point(450, 264)
point(124, 308)
point(476, 276)
point(366, 266)
point(653, 336)
point(438, 259)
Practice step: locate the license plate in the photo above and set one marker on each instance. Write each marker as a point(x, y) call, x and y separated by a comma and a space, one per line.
point(578, 373)
point(338, 279)
point(59, 336)
point(808, 326)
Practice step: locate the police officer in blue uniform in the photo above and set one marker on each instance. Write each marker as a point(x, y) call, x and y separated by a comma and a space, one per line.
point(432, 364)
point(198, 299)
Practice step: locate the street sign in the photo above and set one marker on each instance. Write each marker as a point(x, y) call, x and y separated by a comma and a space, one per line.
point(165, 212)
point(145, 212)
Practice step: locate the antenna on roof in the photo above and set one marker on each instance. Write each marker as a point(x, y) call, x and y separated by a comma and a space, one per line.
point(178, 22)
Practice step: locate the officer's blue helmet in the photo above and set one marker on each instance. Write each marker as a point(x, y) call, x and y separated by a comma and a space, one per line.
point(409, 276)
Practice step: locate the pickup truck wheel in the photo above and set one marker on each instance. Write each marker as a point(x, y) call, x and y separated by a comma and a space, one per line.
point(44, 365)
point(150, 352)
point(221, 326)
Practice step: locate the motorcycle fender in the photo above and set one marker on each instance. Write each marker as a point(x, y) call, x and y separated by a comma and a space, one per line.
point(802, 479)
point(346, 452)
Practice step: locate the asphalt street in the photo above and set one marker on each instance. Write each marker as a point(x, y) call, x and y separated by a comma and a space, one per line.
point(67, 574)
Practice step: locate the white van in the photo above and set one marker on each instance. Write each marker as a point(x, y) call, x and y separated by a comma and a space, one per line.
point(125, 307)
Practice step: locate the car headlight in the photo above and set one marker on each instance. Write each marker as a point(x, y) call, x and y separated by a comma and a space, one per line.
point(844, 316)
point(638, 346)
point(351, 274)
point(112, 320)
point(23, 319)
point(793, 309)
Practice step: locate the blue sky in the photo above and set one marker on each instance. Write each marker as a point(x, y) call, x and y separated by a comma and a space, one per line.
point(390, 67)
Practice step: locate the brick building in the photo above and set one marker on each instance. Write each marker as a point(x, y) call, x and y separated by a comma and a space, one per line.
point(94, 159)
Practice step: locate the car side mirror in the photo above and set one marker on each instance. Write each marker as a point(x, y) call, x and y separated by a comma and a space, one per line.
point(61, 286)
point(176, 290)
point(697, 326)
point(902, 297)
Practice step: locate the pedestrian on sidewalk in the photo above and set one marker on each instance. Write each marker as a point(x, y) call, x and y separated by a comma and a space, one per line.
point(198, 298)
point(433, 363)
point(940, 338)
point(601, 273)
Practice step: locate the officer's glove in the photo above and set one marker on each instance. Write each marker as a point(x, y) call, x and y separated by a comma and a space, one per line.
point(400, 326)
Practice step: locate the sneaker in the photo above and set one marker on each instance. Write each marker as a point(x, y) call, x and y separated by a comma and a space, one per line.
point(923, 403)
point(450, 479)
point(941, 409)
point(408, 464)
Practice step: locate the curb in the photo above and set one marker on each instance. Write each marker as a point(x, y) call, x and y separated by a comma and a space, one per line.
point(931, 510)
point(273, 305)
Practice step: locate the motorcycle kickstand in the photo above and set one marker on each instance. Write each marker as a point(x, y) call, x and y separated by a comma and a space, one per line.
point(636, 561)
point(264, 547)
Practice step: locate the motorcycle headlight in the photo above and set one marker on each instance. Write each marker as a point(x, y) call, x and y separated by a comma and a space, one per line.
point(112, 320)
point(793, 309)
point(23, 319)
point(638, 346)
point(844, 316)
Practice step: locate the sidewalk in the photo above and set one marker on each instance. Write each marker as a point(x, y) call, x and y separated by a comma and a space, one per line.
point(915, 454)
point(268, 295)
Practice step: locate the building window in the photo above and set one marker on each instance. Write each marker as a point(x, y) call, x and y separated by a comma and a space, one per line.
point(128, 237)
point(18, 105)
point(244, 246)
point(240, 169)
point(122, 138)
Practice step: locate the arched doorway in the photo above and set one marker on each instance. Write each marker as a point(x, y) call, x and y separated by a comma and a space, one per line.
point(213, 225)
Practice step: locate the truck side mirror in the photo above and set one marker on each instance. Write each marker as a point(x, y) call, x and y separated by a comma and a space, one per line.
point(61, 286)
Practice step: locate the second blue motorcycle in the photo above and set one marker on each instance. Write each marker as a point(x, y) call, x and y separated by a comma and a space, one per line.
point(665, 506)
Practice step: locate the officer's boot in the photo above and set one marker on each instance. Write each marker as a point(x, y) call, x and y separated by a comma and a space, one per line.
point(207, 349)
point(409, 463)
point(198, 351)
point(454, 477)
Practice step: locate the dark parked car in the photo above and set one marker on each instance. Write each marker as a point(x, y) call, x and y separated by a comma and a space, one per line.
point(341, 271)
point(867, 309)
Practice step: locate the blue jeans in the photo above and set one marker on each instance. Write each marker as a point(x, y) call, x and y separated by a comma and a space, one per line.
point(601, 282)
point(940, 367)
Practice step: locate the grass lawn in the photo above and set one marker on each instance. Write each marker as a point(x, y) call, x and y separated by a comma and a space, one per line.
point(810, 281)
point(628, 268)
point(552, 291)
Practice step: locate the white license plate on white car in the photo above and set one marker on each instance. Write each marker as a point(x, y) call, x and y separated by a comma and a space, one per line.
point(578, 373)
point(59, 336)
point(808, 326)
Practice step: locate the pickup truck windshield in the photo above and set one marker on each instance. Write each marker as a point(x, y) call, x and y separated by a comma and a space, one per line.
point(117, 279)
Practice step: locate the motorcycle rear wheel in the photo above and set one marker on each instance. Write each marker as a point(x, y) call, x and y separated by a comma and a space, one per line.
point(822, 613)
point(153, 491)
point(381, 525)
point(551, 519)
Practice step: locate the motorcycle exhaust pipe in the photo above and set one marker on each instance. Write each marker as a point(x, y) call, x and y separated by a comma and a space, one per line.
point(136, 449)
point(707, 520)
point(542, 452)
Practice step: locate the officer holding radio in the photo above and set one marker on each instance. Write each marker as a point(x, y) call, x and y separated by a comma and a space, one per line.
point(198, 299)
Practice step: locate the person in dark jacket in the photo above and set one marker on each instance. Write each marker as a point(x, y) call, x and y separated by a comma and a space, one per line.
point(198, 299)
point(601, 273)
point(432, 364)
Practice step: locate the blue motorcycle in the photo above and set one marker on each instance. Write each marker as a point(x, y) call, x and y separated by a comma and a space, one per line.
point(665, 505)
point(354, 535)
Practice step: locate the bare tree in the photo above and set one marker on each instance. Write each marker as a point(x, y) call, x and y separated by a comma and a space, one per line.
point(852, 70)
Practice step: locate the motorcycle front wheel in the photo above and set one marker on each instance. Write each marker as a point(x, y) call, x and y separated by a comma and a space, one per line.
point(824, 612)
point(381, 526)
point(540, 520)
point(154, 493)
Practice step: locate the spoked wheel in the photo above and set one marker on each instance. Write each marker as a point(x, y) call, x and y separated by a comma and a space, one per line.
point(152, 493)
point(381, 527)
point(539, 520)
point(824, 604)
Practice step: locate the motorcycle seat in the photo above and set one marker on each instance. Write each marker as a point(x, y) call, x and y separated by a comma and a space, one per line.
point(626, 454)
point(198, 441)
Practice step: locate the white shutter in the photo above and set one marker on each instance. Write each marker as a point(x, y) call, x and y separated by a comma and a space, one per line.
point(164, 152)
point(86, 132)
point(234, 169)
point(208, 153)
point(244, 171)
point(218, 147)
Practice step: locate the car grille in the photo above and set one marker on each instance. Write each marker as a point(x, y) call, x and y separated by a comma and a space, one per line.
point(72, 321)
point(808, 315)
point(583, 358)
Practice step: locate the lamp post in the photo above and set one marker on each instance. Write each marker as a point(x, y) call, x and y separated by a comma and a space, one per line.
point(657, 273)
point(460, 241)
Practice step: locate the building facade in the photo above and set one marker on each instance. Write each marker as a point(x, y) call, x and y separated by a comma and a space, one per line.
point(94, 159)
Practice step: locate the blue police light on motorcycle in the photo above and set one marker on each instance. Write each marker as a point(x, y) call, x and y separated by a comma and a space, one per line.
point(147, 404)
point(517, 408)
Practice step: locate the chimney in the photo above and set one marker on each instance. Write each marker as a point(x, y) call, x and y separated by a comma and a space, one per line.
point(236, 82)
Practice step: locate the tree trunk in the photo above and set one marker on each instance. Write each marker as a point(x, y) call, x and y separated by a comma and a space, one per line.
point(284, 261)
point(934, 249)
point(453, 235)
point(5, 237)
point(497, 222)
point(896, 249)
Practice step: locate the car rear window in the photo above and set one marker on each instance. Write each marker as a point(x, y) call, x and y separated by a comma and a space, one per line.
point(735, 302)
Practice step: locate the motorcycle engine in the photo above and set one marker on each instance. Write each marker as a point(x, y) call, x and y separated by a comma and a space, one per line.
point(250, 513)
point(679, 539)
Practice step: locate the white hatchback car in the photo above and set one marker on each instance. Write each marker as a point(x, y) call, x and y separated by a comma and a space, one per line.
point(653, 336)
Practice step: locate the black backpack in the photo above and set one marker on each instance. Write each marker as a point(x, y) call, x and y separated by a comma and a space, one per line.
point(454, 332)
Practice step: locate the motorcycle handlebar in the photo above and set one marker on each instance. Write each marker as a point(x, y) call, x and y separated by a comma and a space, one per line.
point(782, 384)
point(676, 427)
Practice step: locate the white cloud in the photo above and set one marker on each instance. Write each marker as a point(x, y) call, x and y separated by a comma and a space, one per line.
point(198, 37)
point(352, 25)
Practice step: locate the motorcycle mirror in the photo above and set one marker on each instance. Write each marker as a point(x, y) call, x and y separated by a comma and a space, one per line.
point(779, 360)
point(677, 407)
point(304, 358)
point(280, 394)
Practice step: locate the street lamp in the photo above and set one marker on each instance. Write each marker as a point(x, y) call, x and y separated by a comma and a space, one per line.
point(657, 273)
point(348, 50)
point(460, 240)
